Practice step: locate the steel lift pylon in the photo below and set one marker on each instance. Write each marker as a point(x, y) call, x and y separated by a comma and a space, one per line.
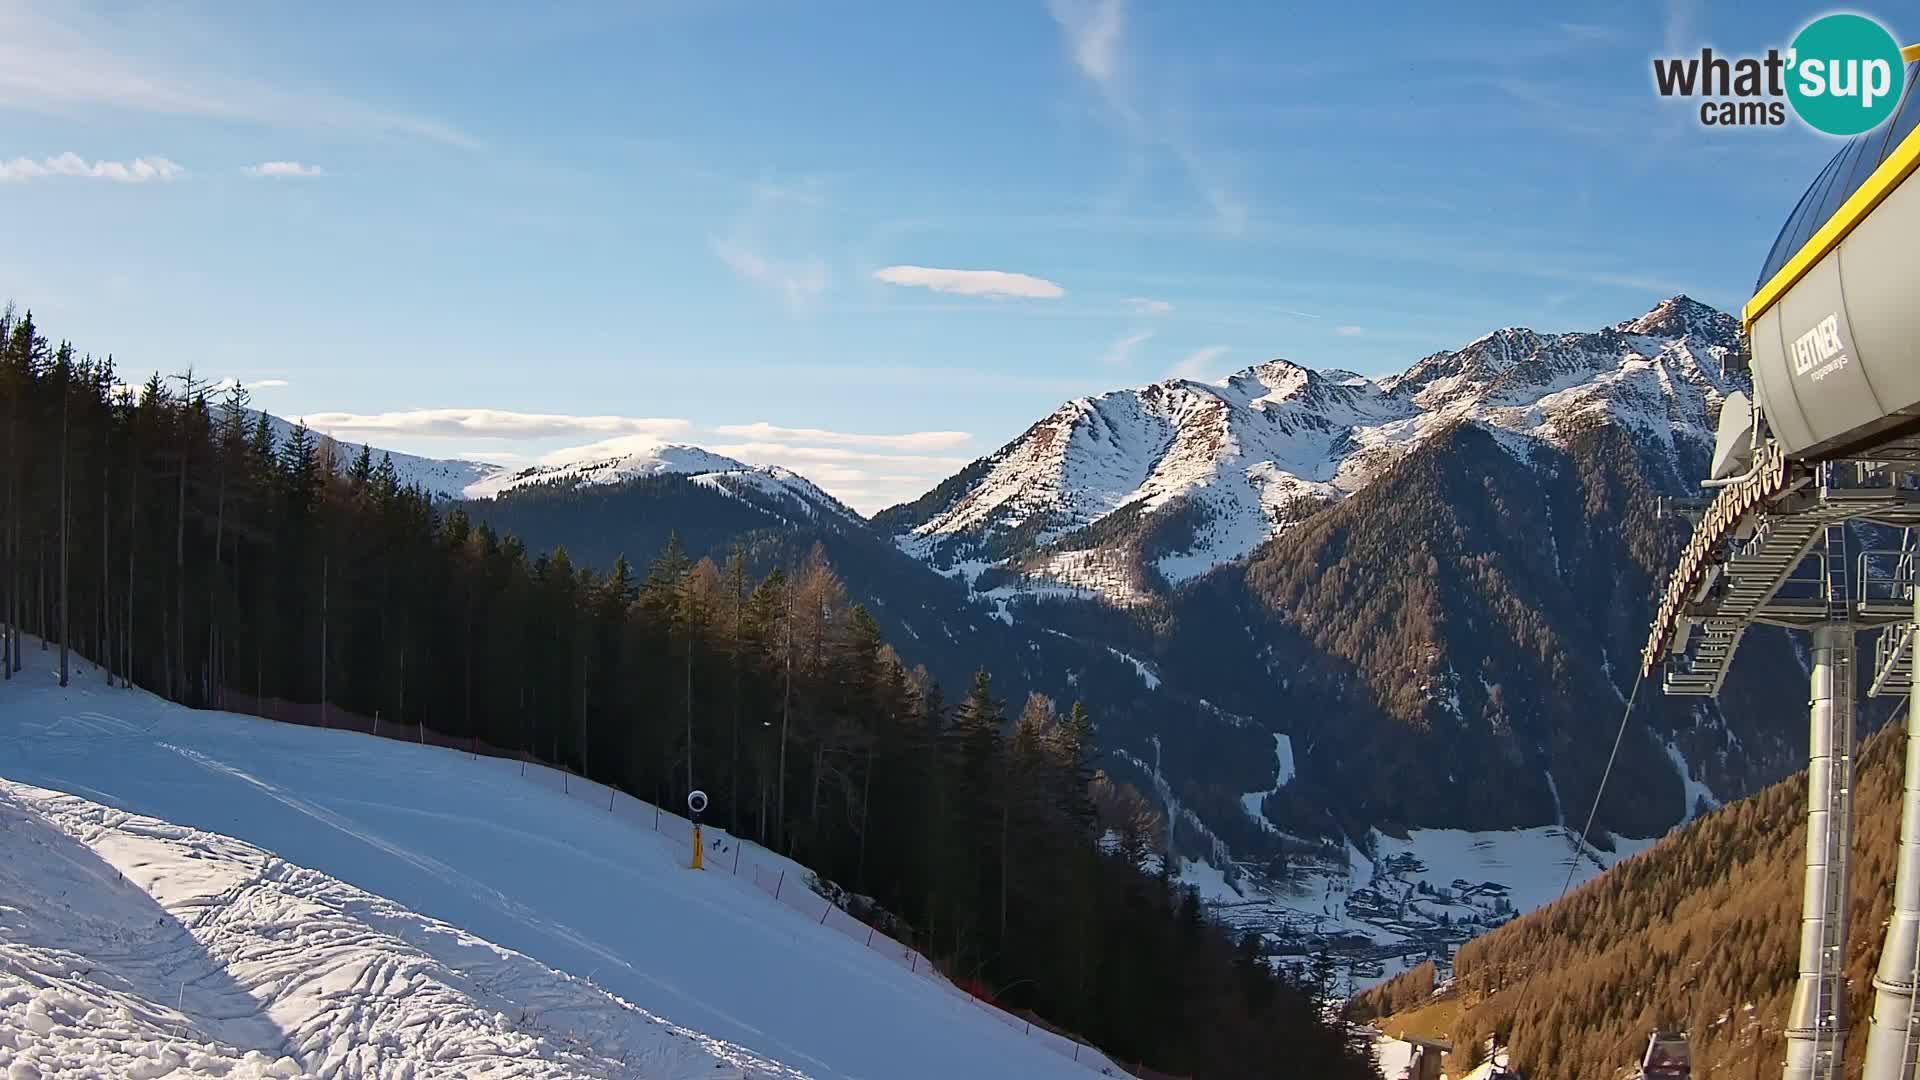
point(1794, 522)
point(1830, 441)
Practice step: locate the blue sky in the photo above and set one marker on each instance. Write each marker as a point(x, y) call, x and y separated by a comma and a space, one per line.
point(736, 223)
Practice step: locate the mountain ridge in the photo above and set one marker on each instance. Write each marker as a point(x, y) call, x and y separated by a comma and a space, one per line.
point(1201, 474)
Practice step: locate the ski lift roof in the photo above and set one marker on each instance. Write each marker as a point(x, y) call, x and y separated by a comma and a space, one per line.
point(1844, 175)
point(1833, 323)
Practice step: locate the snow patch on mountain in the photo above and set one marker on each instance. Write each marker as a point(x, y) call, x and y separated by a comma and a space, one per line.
point(1283, 775)
point(1698, 794)
point(1146, 674)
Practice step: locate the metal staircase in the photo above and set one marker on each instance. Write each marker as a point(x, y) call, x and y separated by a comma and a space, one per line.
point(1750, 583)
point(1893, 651)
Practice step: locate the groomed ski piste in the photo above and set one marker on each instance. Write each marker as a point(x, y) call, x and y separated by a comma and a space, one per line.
point(194, 893)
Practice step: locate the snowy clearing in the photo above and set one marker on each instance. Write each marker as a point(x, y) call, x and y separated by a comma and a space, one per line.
point(1283, 775)
point(468, 842)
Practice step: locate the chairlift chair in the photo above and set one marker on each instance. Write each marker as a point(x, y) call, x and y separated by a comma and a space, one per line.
point(1669, 1057)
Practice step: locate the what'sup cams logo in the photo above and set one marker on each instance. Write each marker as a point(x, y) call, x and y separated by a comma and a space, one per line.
point(1842, 75)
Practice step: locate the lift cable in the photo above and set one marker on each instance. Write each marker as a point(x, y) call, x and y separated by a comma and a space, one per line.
point(1579, 849)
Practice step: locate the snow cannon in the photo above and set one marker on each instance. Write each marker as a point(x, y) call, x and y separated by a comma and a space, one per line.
point(1834, 321)
point(697, 805)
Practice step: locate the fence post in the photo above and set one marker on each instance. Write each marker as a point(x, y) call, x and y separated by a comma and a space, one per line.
point(736, 856)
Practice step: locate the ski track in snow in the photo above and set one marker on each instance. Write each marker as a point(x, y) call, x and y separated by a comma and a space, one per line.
point(137, 948)
point(449, 918)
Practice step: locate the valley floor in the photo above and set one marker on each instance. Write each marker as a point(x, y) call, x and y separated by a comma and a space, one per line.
point(399, 910)
point(1420, 896)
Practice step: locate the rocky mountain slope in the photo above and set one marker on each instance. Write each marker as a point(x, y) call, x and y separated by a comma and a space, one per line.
point(1431, 586)
point(1129, 493)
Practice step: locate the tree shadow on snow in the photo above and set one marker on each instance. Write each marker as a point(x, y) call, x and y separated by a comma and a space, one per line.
point(81, 930)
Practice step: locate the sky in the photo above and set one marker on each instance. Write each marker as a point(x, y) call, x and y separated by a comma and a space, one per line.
point(869, 242)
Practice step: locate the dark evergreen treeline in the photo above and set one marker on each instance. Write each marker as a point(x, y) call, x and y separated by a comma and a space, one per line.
point(161, 533)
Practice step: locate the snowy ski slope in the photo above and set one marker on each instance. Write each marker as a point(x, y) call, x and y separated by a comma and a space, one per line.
point(415, 834)
point(133, 947)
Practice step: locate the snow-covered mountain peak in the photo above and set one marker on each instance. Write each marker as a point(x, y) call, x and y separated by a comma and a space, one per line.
point(1282, 378)
point(1684, 317)
point(1439, 379)
point(1343, 377)
point(619, 460)
point(610, 461)
point(1203, 473)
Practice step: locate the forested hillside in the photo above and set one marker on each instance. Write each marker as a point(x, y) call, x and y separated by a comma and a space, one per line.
point(1700, 933)
point(1455, 644)
point(156, 531)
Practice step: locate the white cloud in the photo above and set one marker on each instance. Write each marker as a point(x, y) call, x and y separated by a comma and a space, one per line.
point(798, 282)
point(1095, 33)
point(1094, 30)
point(748, 245)
point(493, 457)
point(862, 479)
point(1200, 364)
point(1678, 33)
point(1120, 353)
point(1351, 331)
point(788, 452)
point(491, 424)
point(914, 440)
point(284, 168)
point(230, 382)
point(1149, 306)
point(54, 58)
point(971, 282)
point(138, 171)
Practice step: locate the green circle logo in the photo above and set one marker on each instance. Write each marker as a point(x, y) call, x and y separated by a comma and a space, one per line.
point(1845, 74)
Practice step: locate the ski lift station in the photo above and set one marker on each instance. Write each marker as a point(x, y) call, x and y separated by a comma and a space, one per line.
point(1829, 443)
